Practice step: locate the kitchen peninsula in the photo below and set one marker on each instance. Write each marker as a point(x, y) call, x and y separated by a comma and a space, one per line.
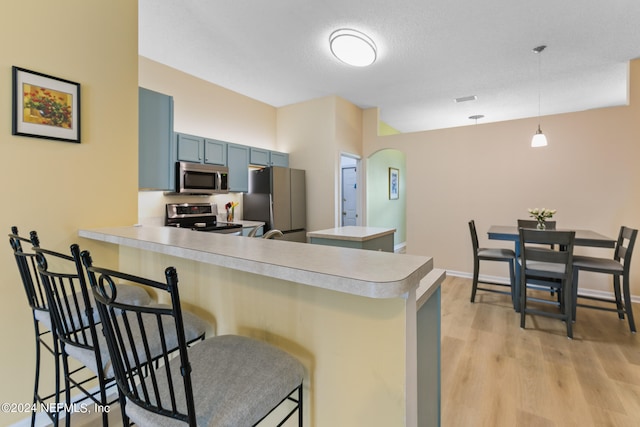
point(364, 323)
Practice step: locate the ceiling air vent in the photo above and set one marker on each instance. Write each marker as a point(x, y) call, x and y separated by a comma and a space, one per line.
point(465, 99)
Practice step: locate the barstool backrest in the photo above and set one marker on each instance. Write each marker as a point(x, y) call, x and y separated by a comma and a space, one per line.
point(27, 267)
point(72, 308)
point(134, 335)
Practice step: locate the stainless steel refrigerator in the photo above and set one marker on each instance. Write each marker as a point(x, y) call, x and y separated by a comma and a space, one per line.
point(277, 196)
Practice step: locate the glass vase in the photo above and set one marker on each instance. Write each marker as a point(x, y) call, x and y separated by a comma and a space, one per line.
point(541, 225)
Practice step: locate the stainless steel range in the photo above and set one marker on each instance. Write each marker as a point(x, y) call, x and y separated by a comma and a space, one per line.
point(197, 216)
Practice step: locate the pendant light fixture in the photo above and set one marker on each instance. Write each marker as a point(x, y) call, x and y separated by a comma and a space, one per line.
point(539, 139)
point(476, 117)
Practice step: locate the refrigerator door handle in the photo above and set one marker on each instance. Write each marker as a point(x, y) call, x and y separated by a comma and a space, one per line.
point(270, 210)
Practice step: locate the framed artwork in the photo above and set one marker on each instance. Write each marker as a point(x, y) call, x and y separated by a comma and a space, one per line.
point(394, 183)
point(45, 106)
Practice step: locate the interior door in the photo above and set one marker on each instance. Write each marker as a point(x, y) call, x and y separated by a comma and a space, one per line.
point(349, 196)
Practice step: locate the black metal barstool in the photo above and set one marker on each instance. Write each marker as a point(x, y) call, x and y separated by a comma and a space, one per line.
point(74, 318)
point(45, 336)
point(223, 381)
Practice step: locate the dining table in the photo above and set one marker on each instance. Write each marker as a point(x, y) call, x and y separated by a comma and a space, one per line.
point(582, 238)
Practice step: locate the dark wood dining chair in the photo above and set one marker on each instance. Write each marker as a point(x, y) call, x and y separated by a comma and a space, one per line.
point(491, 254)
point(225, 380)
point(530, 223)
point(618, 267)
point(547, 270)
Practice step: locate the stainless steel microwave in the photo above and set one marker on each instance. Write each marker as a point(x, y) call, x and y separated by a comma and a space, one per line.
point(197, 178)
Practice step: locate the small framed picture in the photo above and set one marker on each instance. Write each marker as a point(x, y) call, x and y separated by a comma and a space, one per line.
point(45, 106)
point(394, 183)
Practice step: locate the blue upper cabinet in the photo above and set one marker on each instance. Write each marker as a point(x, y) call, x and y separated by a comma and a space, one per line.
point(238, 163)
point(215, 152)
point(159, 148)
point(189, 148)
point(262, 157)
point(196, 149)
point(155, 140)
point(279, 159)
point(259, 156)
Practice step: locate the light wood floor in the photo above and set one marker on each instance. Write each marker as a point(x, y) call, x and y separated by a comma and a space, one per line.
point(496, 374)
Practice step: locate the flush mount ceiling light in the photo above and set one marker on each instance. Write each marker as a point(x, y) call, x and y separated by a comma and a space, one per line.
point(539, 139)
point(353, 47)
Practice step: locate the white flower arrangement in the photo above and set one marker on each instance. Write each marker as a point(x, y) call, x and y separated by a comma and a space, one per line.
point(541, 215)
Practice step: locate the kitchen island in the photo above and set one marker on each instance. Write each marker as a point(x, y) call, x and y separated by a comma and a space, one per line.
point(357, 320)
point(352, 236)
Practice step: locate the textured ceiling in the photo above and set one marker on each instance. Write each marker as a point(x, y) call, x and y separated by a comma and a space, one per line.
point(429, 52)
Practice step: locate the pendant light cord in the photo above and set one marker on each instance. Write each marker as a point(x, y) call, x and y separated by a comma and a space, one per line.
point(538, 50)
point(539, 82)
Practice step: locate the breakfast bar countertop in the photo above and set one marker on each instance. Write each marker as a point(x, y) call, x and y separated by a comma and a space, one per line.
point(364, 273)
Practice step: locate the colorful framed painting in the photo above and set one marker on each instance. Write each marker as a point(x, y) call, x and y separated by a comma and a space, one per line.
point(394, 184)
point(45, 106)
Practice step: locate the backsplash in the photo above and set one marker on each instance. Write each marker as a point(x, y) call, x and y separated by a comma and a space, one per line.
point(152, 205)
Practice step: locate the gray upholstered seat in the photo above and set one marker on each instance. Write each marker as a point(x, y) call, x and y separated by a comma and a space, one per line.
point(610, 265)
point(500, 253)
point(548, 267)
point(618, 267)
point(236, 381)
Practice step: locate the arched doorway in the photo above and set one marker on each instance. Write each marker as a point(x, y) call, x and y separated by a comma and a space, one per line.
point(383, 208)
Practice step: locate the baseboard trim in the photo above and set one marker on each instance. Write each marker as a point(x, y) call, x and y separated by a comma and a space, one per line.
point(500, 279)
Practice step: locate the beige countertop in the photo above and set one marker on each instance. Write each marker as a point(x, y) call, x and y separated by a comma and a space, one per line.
point(365, 273)
point(352, 232)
